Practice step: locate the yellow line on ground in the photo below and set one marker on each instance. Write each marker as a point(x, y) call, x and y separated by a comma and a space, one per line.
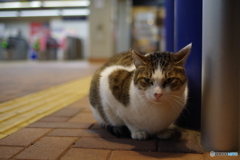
point(20, 112)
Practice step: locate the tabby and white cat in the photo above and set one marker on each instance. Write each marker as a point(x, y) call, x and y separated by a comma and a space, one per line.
point(145, 93)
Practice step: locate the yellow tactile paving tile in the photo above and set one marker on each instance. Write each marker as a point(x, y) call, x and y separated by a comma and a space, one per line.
point(20, 112)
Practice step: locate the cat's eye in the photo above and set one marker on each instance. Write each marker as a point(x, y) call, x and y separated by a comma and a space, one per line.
point(148, 81)
point(167, 81)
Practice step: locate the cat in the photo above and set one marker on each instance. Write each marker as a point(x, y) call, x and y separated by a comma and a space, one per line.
point(140, 94)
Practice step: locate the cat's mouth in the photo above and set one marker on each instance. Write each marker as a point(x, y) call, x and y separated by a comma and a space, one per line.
point(157, 101)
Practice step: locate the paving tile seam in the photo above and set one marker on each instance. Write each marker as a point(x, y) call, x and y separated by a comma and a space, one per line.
point(90, 127)
point(23, 148)
point(30, 108)
point(77, 137)
point(109, 157)
point(44, 135)
point(67, 149)
point(19, 153)
point(32, 143)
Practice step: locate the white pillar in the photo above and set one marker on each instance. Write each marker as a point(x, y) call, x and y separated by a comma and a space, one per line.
point(123, 37)
point(101, 22)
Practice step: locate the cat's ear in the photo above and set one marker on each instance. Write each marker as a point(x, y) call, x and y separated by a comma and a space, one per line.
point(181, 56)
point(139, 59)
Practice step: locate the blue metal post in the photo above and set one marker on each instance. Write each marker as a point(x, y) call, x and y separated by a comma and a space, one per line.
point(188, 29)
point(169, 25)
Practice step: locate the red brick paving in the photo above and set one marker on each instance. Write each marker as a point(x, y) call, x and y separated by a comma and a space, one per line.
point(74, 137)
point(54, 119)
point(86, 154)
point(47, 148)
point(85, 117)
point(96, 126)
point(40, 124)
point(130, 155)
point(72, 133)
point(24, 137)
point(116, 144)
point(8, 152)
point(67, 112)
point(186, 139)
point(80, 133)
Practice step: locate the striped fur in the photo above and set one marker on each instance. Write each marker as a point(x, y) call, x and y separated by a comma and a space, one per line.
point(140, 94)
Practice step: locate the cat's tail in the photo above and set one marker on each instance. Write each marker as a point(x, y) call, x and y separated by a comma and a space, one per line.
point(118, 131)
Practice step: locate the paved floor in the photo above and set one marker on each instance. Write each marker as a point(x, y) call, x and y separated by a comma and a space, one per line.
point(22, 78)
point(72, 132)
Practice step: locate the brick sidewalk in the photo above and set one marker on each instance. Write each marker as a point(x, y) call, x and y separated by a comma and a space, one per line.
point(72, 133)
point(22, 78)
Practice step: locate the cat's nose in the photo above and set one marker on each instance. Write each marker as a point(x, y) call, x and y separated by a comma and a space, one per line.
point(158, 95)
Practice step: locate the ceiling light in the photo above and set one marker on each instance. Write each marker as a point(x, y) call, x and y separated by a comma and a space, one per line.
point(75, 12)
point(10, 5)
point(8, 13)
point(20, 4)
point(39, 13)
point(66, 3)
point(35, 4)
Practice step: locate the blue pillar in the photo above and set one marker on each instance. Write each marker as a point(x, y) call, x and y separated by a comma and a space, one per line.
point(169, 25)
point(188, 29)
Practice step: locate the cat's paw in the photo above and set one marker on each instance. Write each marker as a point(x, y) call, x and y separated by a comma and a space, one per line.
point(140, 135)
point(166, 134)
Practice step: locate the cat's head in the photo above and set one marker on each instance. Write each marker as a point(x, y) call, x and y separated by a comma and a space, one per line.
point(161, 76)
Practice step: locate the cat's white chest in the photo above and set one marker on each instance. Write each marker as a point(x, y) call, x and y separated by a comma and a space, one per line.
point(147, 115)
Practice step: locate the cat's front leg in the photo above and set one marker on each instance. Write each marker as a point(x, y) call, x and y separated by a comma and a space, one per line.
point(165, 134)
point(137, 133)
point(140, 135)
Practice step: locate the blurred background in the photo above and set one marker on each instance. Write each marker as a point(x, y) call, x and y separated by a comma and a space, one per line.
point(79, 29)
point(94, 30)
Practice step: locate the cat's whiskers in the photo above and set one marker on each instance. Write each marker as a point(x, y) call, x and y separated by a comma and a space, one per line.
point(175, 101)
point(177, 106)
point(179, 99)
point(174, 105)
point(140, 103)
point(144, 103)
point(175, 96)
point(143, 97)
point(186, 107)
point(180, 109)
